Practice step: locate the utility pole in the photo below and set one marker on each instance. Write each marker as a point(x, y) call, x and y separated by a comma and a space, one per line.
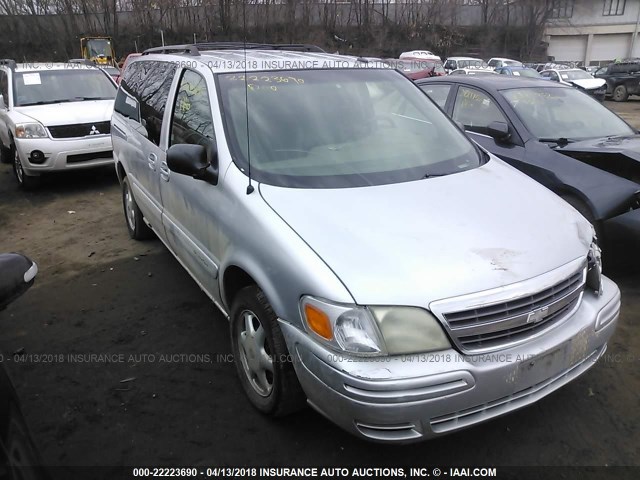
point(162, 37)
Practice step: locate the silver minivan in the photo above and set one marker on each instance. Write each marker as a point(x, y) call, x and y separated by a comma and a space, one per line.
point(373, 261)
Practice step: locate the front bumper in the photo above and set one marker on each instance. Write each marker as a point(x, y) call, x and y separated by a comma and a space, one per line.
point(68, 154)
point(416, 397)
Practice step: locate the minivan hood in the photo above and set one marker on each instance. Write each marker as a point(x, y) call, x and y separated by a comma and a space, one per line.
point(416, 242)
point(69, 113)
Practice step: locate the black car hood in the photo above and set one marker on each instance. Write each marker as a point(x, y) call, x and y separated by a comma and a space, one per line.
point(617, 155)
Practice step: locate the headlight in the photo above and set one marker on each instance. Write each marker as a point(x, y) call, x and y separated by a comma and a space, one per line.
point(30, 130)
point(594, 269)
point(374, 330)
point(410, 330)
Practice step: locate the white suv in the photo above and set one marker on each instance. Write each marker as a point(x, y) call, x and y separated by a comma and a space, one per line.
point(54, 117)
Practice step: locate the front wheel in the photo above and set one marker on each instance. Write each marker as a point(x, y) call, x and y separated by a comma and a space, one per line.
point(5, 154)
point(620, 94)
point(26, 182)
point(264, 366)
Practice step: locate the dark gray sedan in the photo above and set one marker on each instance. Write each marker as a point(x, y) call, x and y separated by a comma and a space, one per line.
point(557, 135)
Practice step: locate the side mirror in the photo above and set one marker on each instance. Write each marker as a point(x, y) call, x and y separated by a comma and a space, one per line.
point(3, 105)
point(499, 131)
point(195, 161)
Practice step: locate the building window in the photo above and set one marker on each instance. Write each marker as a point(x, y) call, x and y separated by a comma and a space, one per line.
point(562, 9)
point(613, 7)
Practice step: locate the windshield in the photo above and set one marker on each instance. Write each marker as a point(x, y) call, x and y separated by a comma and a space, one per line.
point(526, 72)
point(513, 63)
point(55, 86)
point(568, 75)
point(339, 128)
point(551, 113)
point(99, 47)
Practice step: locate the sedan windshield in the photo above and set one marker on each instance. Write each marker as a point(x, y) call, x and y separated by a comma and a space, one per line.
point(565, 113)
point(339, 128)
point(54, 86)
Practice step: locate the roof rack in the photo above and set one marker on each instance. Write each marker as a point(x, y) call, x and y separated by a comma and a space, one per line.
point(195, 48)
point(9, 63)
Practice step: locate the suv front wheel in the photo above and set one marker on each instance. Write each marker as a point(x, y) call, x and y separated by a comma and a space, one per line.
point(261, 356)
point(26, 182)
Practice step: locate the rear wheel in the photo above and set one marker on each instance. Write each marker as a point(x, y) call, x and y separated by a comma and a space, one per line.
point(138, 230)
point(620, 94)
point(263, 362)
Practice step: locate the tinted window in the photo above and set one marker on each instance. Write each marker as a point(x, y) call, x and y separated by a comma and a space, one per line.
point(148, 83)
point(437, 93)
point(476, 110)
point(192, 121)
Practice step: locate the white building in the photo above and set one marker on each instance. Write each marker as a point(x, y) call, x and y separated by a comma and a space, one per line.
point(594, 32)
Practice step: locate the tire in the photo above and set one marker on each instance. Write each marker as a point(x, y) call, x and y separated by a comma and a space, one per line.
point(620, 94)
point(264, 366)
point(5, 155)
point(25, 182)
point(22, 456)
point(586, 212)
point(137, 228)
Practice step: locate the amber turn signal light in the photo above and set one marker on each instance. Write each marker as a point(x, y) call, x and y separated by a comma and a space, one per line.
point(318, 321)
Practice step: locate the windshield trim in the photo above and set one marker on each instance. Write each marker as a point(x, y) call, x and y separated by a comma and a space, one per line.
point(337, 181)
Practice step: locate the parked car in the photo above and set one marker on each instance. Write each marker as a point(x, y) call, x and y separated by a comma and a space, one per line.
point(420, 55)
point(245, 195)
point(454, 63)
point(575, 77)
point(473, 71)
point(623, 79)
point(498, 62)
point(518, 72)
point(113, 72)
point(126, 62)
point(54, 118)
point(562, 138)
point(416, 69)
point(19, 457)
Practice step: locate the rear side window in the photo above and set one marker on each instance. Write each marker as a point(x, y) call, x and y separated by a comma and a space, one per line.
point(143, 95)
point(192, 121)
point(437, 93)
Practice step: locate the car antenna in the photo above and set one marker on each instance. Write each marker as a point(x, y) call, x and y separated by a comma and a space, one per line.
point(250, 188)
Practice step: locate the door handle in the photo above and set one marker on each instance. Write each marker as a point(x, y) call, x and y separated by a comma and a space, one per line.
point(165, 173)
point(152, 161)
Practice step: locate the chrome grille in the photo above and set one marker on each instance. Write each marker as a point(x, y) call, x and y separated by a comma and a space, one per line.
point(498, 325)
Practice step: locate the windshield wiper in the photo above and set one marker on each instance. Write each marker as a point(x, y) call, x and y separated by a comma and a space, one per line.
point(90, 98)
point(434, 175)
point(561, 141)
point(45, 102)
